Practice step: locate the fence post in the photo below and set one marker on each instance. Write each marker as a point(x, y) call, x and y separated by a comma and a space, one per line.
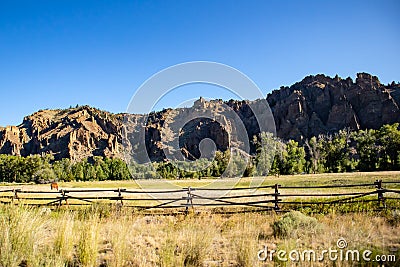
point(120, 196)
point(381, 191)
point(189, 200)
point(63, 197)
point(15, 195)
point(276, 194)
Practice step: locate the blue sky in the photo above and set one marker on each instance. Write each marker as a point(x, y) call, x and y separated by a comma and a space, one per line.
point(54, 54)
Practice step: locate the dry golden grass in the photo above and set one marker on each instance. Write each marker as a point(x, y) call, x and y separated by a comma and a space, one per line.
point(98, 237)
point(101, 235)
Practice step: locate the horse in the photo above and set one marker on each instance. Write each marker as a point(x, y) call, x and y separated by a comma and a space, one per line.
point(54, 185)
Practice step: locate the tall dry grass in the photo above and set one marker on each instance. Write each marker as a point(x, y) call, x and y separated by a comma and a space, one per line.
point(100, 237)
point(23, 236)
point(188, 241)
point(64, 237)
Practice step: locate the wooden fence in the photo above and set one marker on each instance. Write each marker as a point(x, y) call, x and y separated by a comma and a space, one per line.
point(271, 197)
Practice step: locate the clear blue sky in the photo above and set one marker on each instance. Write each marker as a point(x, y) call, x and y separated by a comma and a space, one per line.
point(54, 54)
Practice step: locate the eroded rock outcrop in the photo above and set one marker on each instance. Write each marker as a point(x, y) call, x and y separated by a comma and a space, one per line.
point(316, 105)
point(73, 133)
point(323, 105)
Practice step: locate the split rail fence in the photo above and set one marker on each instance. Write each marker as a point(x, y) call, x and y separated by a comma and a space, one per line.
point(271, 197)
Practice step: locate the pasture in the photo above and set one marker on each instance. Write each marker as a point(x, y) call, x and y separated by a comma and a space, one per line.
point(110, 235)
point(261, 192)
point(288, 180)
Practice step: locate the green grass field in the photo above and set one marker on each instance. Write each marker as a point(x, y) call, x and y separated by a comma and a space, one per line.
point(285, 180)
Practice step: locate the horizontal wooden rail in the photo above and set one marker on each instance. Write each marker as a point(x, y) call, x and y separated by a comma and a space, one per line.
point(326, 186)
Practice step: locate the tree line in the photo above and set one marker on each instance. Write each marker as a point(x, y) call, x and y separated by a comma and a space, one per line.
point(345, 151)
point(43, 169)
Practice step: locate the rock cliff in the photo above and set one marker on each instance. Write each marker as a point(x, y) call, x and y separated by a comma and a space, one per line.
point(323, 105)
point(316, 105)
point(73, 133)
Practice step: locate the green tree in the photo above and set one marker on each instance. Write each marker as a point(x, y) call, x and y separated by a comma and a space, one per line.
point(389, 138)
point(315, 155)
point(277, 167)
point(44, 175)
point(222, 160)
point(336, 152)
point(367, 149)
point(265, 147)
point(294, 158)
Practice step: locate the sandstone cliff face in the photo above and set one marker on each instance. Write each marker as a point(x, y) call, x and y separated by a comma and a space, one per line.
point(74, 133)
point(316, 105)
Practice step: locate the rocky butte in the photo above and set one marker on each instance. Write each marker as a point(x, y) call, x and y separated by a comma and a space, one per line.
point(317, 105)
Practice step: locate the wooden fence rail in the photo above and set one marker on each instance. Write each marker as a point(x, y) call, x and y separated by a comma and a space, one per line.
point(271, 197)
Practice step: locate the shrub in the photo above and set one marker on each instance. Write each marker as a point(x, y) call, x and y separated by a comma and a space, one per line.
point(394, 217)
point(293, 224)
